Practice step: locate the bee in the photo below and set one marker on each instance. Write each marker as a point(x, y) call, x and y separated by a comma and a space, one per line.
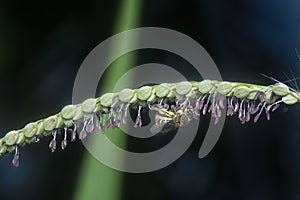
point(168, 120)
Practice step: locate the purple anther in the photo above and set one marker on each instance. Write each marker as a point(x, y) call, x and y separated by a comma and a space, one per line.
point(256, 95)
point(248, 116)
point(221, 103)
point(256, 117)
point(205, 109)
point(275, 107)
point(236, 107)
point(52, 145)
point(15, 160)
point(82, 134)
point(73, 135)
point(268, 115)
point(89, 126)
point(63, 144)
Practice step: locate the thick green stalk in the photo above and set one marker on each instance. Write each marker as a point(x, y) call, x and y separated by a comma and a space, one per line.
point(97, 180)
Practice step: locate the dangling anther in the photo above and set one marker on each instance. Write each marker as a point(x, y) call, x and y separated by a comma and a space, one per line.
point(138, 120)
point(52, 144)
point(64, 141)
point(16, 161)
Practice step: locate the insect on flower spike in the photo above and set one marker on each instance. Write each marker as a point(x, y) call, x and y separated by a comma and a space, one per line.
point(174, 105)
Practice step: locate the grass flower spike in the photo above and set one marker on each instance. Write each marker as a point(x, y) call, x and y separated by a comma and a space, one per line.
point(175, 104)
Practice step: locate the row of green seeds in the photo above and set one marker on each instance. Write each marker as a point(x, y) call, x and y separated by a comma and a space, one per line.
point(148, 94)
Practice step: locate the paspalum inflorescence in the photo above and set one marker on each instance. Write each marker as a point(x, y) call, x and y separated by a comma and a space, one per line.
point(175, 105)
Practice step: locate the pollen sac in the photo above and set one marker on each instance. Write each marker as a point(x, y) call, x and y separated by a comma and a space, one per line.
point(30, 130)
point(3, 147)
point(52, 145)
point(126, 95)
point(10, 148)
point(289, 99)
point(183, 87)
point(205, 86)
point(63, 144)
point(270, 97)
point(171, 94)
point(11, 138)
point(89, 105)
point(241, 91)
point(82, 134)
point(90, 126)
point(78, 113)
point(59, 122)
point(68, 123)
point(68, 112)
point(162, 90)
point(253, 95)
point(152, 97)
point(16, 160)
point(275, 107)
point(224, 87)
point(134, 98)
point(40, 129)
point(73, 136)
point(106, 99)
point(98, 107)
point(193, 93)
point(50, 123)
point(280, 89)
point(144, 92)
point(21, 138)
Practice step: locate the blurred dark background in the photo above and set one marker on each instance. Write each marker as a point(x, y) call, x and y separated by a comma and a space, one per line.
point(42, 44)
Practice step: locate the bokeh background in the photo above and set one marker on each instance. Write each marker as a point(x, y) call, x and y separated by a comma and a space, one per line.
point(42, 44)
